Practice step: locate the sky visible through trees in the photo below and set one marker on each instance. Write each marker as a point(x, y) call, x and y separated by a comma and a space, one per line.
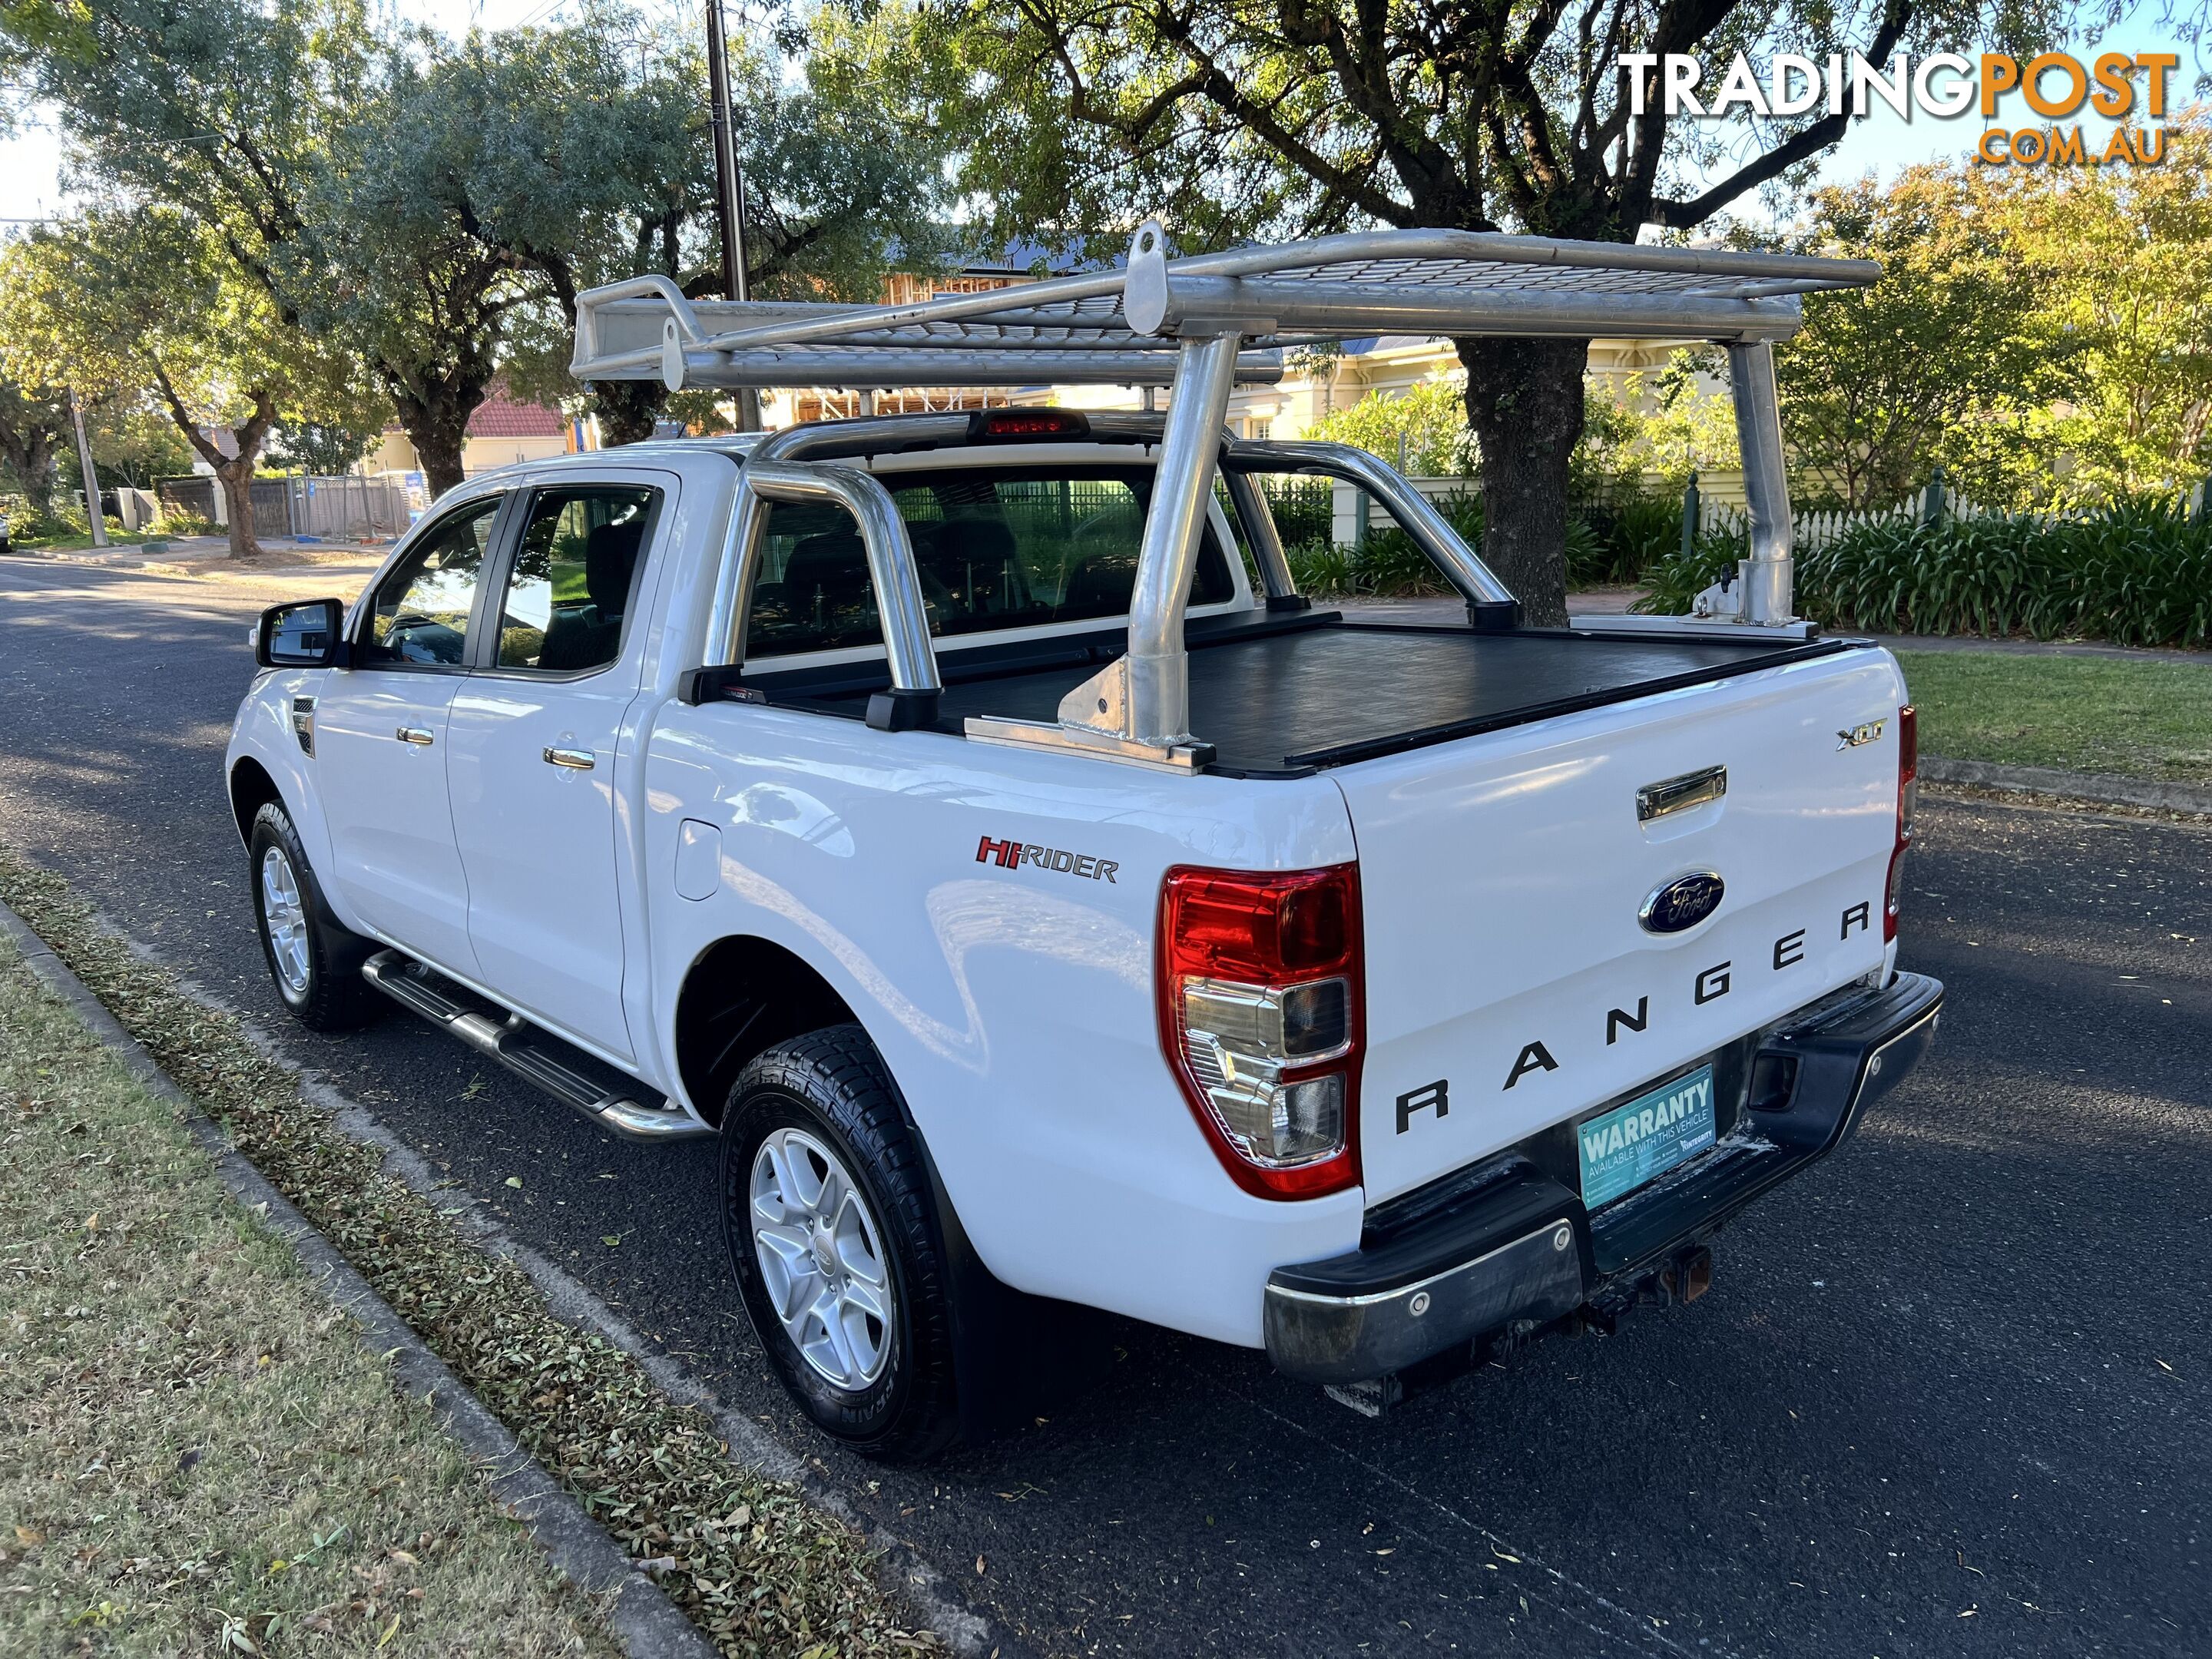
point(30, 161)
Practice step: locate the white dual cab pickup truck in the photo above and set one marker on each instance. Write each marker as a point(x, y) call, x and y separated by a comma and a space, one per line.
point(1452, 984)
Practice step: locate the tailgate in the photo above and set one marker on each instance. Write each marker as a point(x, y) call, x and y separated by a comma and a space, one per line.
point(1511, 984)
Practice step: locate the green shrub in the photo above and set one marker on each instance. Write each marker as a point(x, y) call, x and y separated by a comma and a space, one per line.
point(1321, 569)
point(1676, 581)
point(1629, 532)
point(1591, 561)
point(1392, 564)
point(187, 524)
point(2137, 573)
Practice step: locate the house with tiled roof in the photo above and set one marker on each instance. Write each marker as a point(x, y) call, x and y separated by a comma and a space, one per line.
point(503, 431)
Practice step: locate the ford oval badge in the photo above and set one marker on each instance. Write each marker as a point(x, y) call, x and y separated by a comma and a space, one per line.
point(1682, 903)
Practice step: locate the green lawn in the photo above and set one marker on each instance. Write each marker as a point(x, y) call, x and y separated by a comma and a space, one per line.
point(77, 540)
point(199, 1456)
point(2137, 718)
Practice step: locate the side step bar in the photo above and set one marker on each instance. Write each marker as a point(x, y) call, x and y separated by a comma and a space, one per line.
point(537, 1056)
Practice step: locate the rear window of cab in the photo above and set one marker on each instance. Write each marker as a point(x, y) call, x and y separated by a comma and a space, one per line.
point(995, 548)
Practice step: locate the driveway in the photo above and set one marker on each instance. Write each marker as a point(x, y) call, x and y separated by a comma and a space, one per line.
point(1947, 1395)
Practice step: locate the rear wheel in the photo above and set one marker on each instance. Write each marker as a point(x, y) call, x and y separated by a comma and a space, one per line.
point(315, 963)
point(834, 1236)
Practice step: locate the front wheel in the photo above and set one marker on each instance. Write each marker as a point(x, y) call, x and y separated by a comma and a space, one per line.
point(315, 963)
point(834, 1236)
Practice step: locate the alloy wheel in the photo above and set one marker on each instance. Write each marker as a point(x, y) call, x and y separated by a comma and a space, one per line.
point(821, 1259)
point(284, 914)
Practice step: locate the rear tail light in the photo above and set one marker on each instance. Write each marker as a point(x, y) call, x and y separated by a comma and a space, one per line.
point(1261, 1016)
point(1908, 798)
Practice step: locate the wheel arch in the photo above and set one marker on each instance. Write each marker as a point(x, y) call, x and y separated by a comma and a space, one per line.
point(743, 994)
point(251, 788)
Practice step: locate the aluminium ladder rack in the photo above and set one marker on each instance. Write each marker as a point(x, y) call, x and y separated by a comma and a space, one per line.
point(1203, 324)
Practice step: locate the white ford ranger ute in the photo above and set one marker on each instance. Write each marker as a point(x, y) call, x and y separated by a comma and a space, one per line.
point(1039, 912)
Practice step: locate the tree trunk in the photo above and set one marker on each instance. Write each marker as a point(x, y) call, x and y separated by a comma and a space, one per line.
point(235, 478)
point(628, 408)
point(38, 482)
point(233, 474)
point(436, 421)
point(1524, 401)
point(29, 439)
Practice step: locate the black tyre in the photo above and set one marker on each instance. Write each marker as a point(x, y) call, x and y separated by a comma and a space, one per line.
point(835, 1238)
point(315, 963)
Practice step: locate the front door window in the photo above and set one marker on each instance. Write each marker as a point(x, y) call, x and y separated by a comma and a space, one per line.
point(421, 613)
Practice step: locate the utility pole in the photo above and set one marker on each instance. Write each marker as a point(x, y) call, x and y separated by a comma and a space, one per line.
point(91, 478)
point(729, 190)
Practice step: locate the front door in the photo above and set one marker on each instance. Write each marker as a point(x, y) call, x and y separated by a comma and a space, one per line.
point(532, 757)
point(381, 733)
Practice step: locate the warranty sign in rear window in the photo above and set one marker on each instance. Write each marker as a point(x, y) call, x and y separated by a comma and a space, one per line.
point(1623, 1148)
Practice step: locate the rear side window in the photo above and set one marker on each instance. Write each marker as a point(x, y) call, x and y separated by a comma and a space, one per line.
point(567, 591)
point(421, 612)
point(995, 549)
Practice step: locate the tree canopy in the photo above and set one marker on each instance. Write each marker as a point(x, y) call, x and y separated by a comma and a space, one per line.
point(431, 205)
point(1236, 119)
point(112, 303)
point(2043, 336)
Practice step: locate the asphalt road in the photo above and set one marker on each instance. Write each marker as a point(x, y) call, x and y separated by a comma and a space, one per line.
point(1948, 1393)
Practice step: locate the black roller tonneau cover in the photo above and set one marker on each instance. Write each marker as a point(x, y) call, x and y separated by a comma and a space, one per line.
point(1291, 694)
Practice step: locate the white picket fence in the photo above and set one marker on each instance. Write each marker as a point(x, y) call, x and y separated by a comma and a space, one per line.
point(1810, 532)
point(1719, 512)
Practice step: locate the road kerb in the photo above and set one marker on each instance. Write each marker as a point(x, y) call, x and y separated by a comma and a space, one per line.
point(647, 1623)
point(902, 1569)
point(2096, 788)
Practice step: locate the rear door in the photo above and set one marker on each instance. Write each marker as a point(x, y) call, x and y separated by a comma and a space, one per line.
point(381, 739)
point(1512, 982)
point(535, 735)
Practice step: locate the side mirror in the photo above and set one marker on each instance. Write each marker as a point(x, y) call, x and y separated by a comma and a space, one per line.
point(300, 635)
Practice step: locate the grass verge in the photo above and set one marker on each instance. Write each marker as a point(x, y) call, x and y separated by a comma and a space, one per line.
point(200, 1456)
point(757, 1567)
point(79, 541)
point(2133, 718)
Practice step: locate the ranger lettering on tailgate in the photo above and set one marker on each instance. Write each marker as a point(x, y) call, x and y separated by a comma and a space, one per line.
point(1711, 985)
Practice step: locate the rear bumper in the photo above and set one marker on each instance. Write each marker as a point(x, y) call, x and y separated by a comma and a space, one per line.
point(1505, 1243)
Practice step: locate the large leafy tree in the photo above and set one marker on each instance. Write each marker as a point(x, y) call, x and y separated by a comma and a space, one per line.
point(34, 425)
point(2044, 336)
point(433, 206)
point(1246, 117)
point(1951, 356)
point(580, 156)
point(150, 302)
point(2125, 260)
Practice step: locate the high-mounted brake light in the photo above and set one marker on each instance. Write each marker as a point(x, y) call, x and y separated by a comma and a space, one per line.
point(1262, 1015)
point(1908, 799)
point(1020, 425)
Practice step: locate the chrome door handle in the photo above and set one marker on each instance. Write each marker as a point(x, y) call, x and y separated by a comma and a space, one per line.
point(414, 734)
point(578, 760)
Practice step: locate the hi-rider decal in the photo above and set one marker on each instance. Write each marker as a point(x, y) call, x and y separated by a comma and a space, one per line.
point(1016, 854)
point(1711, 985)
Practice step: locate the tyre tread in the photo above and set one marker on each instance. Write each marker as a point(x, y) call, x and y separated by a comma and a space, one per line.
point(338, 998)
point(838, 1072)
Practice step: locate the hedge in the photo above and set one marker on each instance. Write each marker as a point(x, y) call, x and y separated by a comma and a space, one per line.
point(2137, 573)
